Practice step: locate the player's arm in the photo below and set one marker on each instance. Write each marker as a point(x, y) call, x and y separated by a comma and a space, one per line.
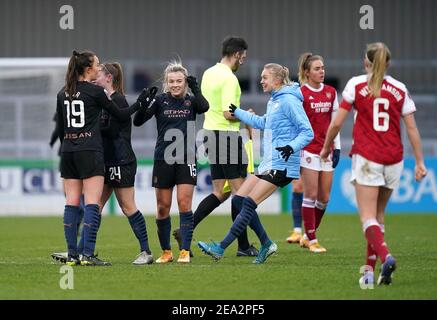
point(121, 114)
point(200, 104)
point(414, 137)
point(60, 120)
point(248, 118)
point(55, 134)
point(111, 127)
point(298, 117)
point(337, 143)
point(249, 128)
point(124, 114)
point(346, 105)
point(144, 114)
point(333, 130)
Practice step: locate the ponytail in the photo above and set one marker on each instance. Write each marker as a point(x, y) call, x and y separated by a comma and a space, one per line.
point(280, 72)
point(76, 67)
point(116, 71)
point(378, 55)
point(304, 65)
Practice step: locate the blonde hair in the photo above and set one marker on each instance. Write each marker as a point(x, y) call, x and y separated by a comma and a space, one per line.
point(174, 66)
point(280, 72)
point(378, 55)
point(304, 64)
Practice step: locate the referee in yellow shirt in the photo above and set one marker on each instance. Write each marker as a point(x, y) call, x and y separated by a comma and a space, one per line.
point(227, 157)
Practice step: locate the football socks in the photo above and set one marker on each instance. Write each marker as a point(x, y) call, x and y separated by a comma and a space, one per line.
point(138, 225)
point(164, 229)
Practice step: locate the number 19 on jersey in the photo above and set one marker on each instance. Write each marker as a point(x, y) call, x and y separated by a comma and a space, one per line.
point(75, 113)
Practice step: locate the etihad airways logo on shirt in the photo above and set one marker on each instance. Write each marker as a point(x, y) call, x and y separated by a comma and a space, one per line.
point(176, 113)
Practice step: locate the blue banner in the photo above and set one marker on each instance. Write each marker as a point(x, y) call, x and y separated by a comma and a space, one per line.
point(409, 196)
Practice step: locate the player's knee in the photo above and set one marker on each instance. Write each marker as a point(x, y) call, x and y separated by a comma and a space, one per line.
point(163, 210)
point(72, 203)
point(221, 195)
point(184, 205)
point(311, 195)
point(128, 208)
point(72, 200)
point(298, 189)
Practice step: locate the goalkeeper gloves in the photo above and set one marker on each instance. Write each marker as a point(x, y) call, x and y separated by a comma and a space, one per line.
point(192, 83)
point(146, 97)
point(232, 109)
point(335, 157)
point(285, 151)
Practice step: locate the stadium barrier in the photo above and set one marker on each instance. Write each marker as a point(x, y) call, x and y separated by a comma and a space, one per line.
point(35, 188)
point(410, 196)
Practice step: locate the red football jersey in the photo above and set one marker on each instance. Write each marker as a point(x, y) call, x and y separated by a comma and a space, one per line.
point(377, 129)
point(319, 105)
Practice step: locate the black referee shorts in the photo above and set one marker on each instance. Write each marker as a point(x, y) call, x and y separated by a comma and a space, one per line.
point(226, 154)
point(166, 175)
point(82, 164)
point(277, 177)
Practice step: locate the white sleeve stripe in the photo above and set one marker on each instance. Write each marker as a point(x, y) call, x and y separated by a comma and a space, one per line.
point(349, 90)
point(408, 106)
point(407, 113)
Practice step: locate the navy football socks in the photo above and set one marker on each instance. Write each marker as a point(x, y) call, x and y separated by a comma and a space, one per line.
point(186, 229)
point(296, 205)
point(241, 222)
point(164, 228)
point(236, 205)
point(71, 215)
point(91, 225)
point(138, 225)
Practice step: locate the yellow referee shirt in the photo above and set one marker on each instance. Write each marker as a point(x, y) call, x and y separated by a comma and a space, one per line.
point(221, 88)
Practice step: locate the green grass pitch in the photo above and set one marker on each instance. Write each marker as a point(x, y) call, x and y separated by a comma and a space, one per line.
point(27, 271)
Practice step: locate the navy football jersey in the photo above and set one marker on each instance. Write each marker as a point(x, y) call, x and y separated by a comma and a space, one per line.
point(174, 113)
point(79, 117)
point(117, 135)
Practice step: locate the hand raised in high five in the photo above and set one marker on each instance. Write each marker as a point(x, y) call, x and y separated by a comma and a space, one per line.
point(146, 96)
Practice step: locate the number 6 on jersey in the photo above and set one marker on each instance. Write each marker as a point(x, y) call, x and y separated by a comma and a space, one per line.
point(377, 115)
